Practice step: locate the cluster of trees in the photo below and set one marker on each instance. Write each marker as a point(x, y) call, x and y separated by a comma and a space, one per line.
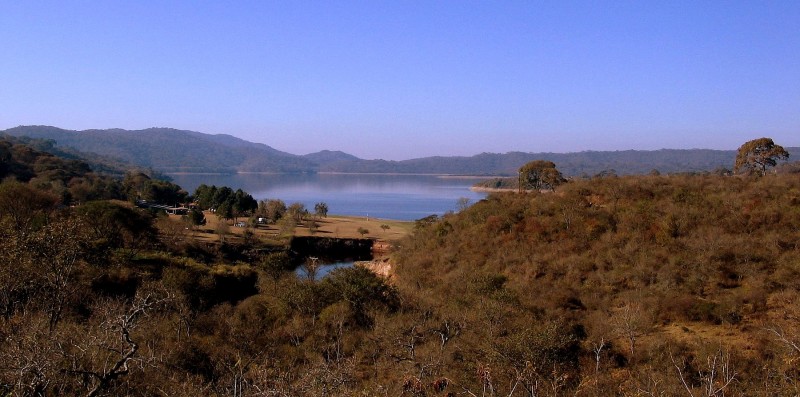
point(287, 218)
point(68, 179)
point(140, 186)
point(93, 301)
point(73, 180)
point(226, 202)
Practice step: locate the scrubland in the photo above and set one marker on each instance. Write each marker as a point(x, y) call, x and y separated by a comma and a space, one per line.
point(629, 286)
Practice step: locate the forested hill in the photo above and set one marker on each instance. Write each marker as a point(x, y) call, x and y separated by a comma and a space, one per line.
point(172, 150)
point(96, 162)
point(626, 162)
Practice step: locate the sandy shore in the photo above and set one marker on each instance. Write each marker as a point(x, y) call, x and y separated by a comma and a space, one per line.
point(490, 189)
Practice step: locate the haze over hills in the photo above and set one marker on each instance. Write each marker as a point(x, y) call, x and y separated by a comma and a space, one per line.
point(172, 150)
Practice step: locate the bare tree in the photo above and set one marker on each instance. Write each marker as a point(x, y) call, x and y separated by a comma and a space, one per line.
point(631, 322)
point(30, 358)
point(55, 252)
point(717, 375)
point(106, 353)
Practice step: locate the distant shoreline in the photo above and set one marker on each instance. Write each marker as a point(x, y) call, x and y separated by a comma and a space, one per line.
point(482, 189)
point(444, 176)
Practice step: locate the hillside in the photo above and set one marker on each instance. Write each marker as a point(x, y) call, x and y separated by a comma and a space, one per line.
point(35, 165)
point(98, 163)
point(615, 286)
point(171, 150)
point(327, 157)
point(589, 163)
point(609, 286)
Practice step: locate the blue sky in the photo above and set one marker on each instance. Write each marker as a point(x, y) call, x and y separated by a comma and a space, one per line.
point(407, 79)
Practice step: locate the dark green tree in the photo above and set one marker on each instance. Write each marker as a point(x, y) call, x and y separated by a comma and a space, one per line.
point(243, 203)
point(225, 210)
point(222, 195)
point(196, 217)
point(204, 196)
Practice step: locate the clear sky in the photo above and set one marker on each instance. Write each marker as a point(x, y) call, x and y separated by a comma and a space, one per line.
point(407, 79)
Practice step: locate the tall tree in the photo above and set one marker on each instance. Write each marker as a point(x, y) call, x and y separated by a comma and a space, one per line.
point(243, 203)
point(297, 211)
point(758, 154)
point(321, 209)
point(272, 209)
point(204, 196)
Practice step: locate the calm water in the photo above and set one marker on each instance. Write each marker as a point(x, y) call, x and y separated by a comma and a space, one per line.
point(400, 197)
point(323, 269)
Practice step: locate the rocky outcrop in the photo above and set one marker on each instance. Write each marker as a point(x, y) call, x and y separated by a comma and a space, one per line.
point(381, 267)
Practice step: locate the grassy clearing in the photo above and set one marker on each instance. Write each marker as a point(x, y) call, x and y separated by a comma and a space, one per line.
point(335, 226)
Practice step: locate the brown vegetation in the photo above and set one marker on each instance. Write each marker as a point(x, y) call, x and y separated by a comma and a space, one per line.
point(632, 286)
point(658, 281)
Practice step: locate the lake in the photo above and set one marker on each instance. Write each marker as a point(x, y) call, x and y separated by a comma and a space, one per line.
point(398, 197)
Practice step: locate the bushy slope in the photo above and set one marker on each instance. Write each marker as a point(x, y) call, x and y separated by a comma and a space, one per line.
point(66, 178)
point(617, 286)
point(652, 275)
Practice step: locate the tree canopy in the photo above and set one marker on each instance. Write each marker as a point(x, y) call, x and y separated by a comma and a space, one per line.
point(228, 203)
point(321, 209)
point(539, 174)
point(759, 154)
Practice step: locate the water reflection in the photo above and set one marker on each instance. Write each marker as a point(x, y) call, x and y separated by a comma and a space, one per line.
point(322, 270)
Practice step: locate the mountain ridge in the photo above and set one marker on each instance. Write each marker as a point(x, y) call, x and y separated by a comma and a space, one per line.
point(173, 150)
